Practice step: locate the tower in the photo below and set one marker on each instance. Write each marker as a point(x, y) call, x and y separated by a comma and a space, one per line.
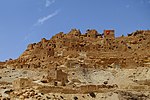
point(109, 34)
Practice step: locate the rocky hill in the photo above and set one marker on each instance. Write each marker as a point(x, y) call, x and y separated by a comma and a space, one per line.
point(77, 66)
point(91, 49)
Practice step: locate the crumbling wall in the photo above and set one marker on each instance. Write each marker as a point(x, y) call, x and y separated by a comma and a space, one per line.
point(22, 83)
point(61, 76)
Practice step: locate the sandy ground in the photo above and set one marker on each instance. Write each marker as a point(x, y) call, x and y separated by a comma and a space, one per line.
point(126, 79)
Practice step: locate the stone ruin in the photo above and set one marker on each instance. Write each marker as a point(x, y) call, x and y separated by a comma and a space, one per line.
point(109, 34)
point(66, 52)
point(127, 50)
point(21, 83)
point(56, 76)
point(61, 76)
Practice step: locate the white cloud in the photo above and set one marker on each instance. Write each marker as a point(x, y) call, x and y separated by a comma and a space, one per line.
point(49, 2)
point(43, 19)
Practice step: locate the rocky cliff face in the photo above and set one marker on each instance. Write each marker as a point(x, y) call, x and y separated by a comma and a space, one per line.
point(91, 49)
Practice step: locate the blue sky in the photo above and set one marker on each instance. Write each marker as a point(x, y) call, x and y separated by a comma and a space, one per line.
point(27, 21)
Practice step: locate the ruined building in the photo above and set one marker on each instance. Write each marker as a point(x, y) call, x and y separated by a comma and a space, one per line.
point(56, 76)
point(109, 34)
point(22, 83)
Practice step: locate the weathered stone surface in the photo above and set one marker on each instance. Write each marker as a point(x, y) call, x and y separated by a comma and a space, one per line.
point(127, 50)
point(76, 63)
point(22, 83)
